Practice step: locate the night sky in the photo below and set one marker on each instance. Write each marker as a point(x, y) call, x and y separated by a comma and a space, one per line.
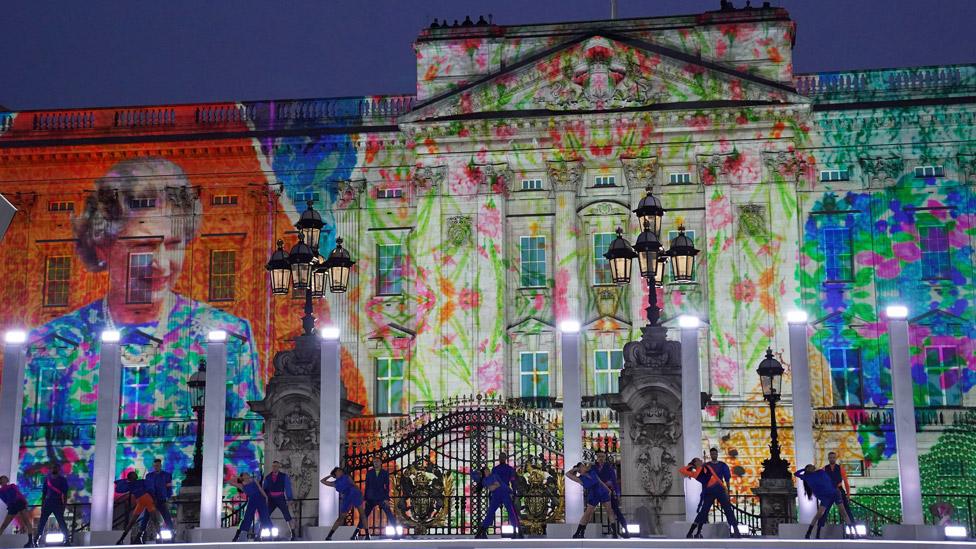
point(75, 53)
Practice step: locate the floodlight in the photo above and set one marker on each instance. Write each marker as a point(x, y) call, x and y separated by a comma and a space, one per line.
point(688, 321)
point(15, 337)
point(956, 532)
point(796, 317)
point(569, 327)
point(54, 538)
point(217, 335)
point(897, 312)
point(111, 336)
point(330, 332)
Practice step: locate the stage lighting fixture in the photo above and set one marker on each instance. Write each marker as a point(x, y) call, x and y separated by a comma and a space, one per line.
point(53, 539)
point(267, 534)
point(956, 532)
point(508, 531)
point(165, 535)
point(633, 529)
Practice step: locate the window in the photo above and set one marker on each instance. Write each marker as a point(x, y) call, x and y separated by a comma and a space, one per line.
point(934, 243)
point(605, 181)
point(142, 203)
point(389, 269)
point(60, 206)
point(302, 197)
point(679, 178)
point(135, 390)
point(835, 175)
point(223, 272)
point(50, 383)
point(57, 280)
point(531, 184)
point(534, 374)
point(389, 385)
point(608, 364)
point(533, 261)
point(943, 386)
point(601, 266)
point(224, 200)
point(854, 468)
point(139, 288)
point(837, 254)
point(929, 171)
point(845, 375)
point(395, 192)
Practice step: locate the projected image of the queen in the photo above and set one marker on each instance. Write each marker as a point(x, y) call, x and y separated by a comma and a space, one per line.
point(136, 226)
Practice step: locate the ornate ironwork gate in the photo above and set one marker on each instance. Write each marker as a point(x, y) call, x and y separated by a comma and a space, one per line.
point(431, 453)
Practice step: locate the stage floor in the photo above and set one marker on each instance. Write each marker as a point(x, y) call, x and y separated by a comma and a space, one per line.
point(542, 543)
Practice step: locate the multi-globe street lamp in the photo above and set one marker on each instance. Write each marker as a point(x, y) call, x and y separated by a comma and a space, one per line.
point(303, 268)
point(650, 254)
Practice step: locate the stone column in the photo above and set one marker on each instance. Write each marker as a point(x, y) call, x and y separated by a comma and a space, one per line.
point(12, 401)
point(906, 439)
point(215, 410)
point(330, 384)
point(565, 178)
point(572, 415)
point(691, 422)
point(106, 432)
point(802, 409)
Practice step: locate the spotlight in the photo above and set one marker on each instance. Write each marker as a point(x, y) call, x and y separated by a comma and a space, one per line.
point(15, 337)
point(569, 327)
point(53, 538)
point(165, 535)
point(393, 531)
point(796, 317)
point(217, 335)
point(633, 529)
point(859, 530)
point(330, 332)
point(689, 321)
point(111, 336)
point(956, 532)
point(508, 531)
point(898, 312)
point(268, 533)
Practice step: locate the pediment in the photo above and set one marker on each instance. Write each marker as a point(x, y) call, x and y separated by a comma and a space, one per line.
point(602, 72)
point(531, 325)
point(606, 323)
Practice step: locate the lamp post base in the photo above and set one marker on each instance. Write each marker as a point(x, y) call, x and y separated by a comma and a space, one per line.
point(777, 503)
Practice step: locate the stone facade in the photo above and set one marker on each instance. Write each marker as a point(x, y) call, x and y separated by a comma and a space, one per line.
point(477, 211)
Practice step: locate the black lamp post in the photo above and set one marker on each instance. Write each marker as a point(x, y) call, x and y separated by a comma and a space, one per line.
point(198, 388)
point(771, 377)
point(305, 269)
point(651, 256)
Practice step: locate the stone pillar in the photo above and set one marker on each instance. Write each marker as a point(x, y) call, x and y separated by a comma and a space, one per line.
point(691, 422)
point(329, 423)
point(572, 416)
point(802, 409)
point(649, 403)
point(565, 178)
point(906, 439)
point(214, 412)
point(12, 401)
point(106, 432)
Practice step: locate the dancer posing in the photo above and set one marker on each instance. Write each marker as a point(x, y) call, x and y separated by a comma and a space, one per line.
point(712, 489)
point(597, 493)
point(54, 498)
point(142, 501)
point(16, 504)
point(839, 477)
point(819, 483)
point(257, 502)
point(278, 487)
point(499, 495)
point(160, 484)
point(378, 493)
point(608, 474)
point(349, 497)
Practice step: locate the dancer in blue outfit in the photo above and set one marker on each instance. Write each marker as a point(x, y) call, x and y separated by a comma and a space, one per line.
point(608, 474)
point(54, 498)
point(161, 486)
point(257, 502)
point(378, 492)
point(822, 486)
point(596, 493)
point(349, 497)
point(278, 487)
point(499, 489)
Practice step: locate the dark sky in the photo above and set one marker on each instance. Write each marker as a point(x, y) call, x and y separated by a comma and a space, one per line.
point(74, 53)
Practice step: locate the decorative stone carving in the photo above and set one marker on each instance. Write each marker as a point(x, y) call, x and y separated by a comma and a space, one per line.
point(350, 192)
point(565, 176)
point(752, 221)
point(653, 350)
point(883, 170)
point(429, 179)
point(640, 172)
point(655, 431)
point(459, 230)
point(788, 164)
point(496, 178)
point(711, 167)
point(297, 430)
